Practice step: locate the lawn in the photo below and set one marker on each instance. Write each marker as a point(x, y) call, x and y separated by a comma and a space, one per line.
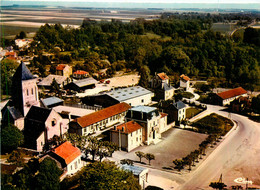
point(187, 95)
point(156, 36)
point(213, 123)
point(191, 112)
point(222, 27)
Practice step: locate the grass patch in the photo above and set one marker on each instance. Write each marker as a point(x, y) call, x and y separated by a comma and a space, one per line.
point(222, 27)
point(187, 95)
point(156, 36)
point(213, 123)
point(191, 112)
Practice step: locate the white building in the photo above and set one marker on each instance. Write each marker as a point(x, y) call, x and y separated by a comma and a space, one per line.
point(139, 172)
point(99, 120)
point(224, 98)
point(134, 96)
point(127, 136)
point(184, 82)
point(151, 120)
point(68, 156)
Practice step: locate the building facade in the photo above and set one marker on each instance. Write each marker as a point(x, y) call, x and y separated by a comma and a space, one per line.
point(127, 136)
point(99, 120)
point(184, 82)
point(64, 70)
point(224, 98)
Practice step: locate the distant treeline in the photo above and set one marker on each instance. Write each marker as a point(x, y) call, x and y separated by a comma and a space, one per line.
point(173, 44)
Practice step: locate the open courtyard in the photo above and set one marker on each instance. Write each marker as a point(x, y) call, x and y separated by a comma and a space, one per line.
point(175, 144)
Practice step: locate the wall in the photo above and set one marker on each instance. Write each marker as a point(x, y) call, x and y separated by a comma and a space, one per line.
point(30, 94)
point(163, 124)
point(74, 166)
point(141, 100)
point(185, 84)
point(134, 139)
point(40, 142)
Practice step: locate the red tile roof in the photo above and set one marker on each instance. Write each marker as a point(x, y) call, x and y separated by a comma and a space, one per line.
point(184, 77)
point(60, 67)
point(129, 127)
point(163, 114)
point(67, 151)
point(163, 76)
point(102, 114)
point(80, 72)
point(232, 93)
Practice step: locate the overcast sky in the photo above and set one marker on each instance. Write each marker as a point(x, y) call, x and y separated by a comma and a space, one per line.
point(158, 1)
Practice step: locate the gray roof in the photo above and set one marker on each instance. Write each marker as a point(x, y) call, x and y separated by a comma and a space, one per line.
point(51, 100)
point(85, 82)
point(123, 94)
point(179, 105)
point(167, 87)
point(22, 73)
point(48, 80)
point(16, 114)
point(136, 170)
point(144, 109)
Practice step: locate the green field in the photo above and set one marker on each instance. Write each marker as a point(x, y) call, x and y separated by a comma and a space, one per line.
point(10, 31)
point(191, 112)
point(222, 27)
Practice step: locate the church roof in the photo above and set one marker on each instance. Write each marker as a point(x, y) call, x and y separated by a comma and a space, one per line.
point(38, 114)
point(22, 73)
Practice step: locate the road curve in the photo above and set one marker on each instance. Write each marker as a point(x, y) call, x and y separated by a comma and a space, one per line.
point(237, 156)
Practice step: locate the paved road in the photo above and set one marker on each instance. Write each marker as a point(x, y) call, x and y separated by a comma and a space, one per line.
point(237, 156)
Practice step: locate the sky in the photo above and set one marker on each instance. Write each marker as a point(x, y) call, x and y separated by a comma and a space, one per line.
point(158, 1)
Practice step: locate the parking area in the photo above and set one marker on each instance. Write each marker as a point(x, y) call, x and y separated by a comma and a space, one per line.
point(175, 144)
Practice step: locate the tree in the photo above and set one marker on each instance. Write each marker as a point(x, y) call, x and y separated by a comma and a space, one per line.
point(16, 158)
point(149, 157)
point(106, 175)
point(217, 185)
point(145, 76)
point(140, 155)
point(179, 164)
point(55, 87)
point(93, 146)
point(11, 138)
point(48, 176)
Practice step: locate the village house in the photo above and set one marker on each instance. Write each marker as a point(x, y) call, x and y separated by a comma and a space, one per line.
point(83, 84)
point(152, 122)
point(79, 74)
point(99, 120)
point(224, 98)
point(139, 172)
point(179, 111)
point(40, 125)
point(64, 70)
point(61, 80)
point(133, 96)
point(68, 157)
point(127, 136)
point(161, 85)
point(184, 82)
point(23, 43)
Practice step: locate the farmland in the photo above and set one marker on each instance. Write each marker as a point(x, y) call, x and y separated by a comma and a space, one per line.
point(223, 27)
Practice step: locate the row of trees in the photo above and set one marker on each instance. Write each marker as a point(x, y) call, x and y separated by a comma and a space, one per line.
point(147, 156)
point(197, 154)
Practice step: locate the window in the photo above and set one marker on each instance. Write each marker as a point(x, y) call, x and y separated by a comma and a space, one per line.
point(27, 92)
point(32, 91)
point(41, 143)
point(142, 100)
point(85, 130)
point(76, 165)
point(137, 132)
point(71, 167)
point(53, 122)
point(136, 139)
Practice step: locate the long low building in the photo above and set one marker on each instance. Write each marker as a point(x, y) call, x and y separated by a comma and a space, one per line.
point(134, 96)
point(224, 98)
point(99, 120)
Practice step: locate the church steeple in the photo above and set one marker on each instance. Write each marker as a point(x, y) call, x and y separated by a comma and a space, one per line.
point(24, 89)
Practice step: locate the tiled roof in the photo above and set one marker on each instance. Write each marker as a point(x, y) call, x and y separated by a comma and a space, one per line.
point(129, 127)
point(184, 77)
point(60, 67)
point(80, 72)
point(102, 114)
point(67, 151)
point(163, 76)
point(10, 53)
point(163, 114)
point(232, 93)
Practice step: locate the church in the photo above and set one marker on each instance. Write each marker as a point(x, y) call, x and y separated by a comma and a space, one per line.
point(23, 110)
